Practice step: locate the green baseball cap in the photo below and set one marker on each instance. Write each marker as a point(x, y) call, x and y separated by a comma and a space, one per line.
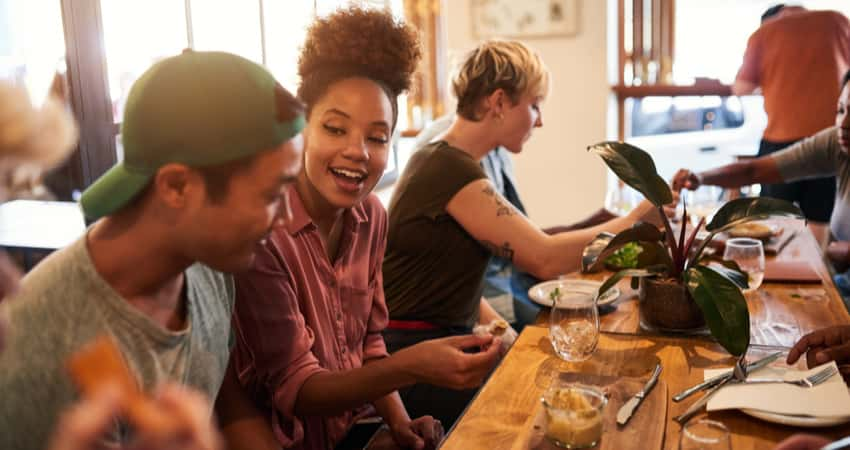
point(198, 109)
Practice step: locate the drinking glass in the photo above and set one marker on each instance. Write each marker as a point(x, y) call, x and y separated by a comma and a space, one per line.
point(574, 325)
point(749, 254)
point(573, 415)
point(703, 202)
point(704, 434)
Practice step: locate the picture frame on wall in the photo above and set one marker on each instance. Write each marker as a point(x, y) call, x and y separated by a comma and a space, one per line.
point(524, 18)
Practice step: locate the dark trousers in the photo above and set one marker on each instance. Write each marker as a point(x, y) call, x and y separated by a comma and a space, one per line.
point(358, 436)
point(444, 404)
point(815, 197)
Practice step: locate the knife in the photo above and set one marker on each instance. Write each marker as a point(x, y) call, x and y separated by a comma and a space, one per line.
point(697, 405)
point(838, 445)
point(714, 381)
point(626, 411)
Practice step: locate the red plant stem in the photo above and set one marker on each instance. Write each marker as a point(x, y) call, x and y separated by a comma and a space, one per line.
point(684, 223)
point(671, 241)
point(691, 239)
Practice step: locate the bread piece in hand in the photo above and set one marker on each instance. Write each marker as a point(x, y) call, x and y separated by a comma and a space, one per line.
point(100, 364)
point(498, 327)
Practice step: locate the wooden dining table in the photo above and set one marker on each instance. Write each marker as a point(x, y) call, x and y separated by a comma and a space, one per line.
point(505, 413)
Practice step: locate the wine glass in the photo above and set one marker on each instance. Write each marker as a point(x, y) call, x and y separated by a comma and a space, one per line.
point(748, 253)
point(704, 202)
point(704, 434)
point(573, 324)
point(621, 198)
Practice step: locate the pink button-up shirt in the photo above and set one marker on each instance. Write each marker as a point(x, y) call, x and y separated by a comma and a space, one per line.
point(296, 315)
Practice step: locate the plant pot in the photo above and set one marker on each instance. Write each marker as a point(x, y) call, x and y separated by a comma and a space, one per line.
point(667, 306)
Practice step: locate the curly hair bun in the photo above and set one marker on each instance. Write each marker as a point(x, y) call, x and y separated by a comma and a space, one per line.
point(361, 42)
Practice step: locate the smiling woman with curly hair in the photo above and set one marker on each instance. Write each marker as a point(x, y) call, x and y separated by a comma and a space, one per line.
point(308, 317)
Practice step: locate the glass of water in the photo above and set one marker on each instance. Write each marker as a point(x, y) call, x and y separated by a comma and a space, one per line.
point(704, 434)
point(574, 325)
point(749, 254)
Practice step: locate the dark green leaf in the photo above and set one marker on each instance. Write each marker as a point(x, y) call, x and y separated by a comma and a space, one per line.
point(746, 209)
point(613, 279)
point(636, 168)
point(723, 306)
point(638, 232)
point(653, 253)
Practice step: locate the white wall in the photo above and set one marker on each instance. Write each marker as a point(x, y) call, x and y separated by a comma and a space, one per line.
point(559, 181)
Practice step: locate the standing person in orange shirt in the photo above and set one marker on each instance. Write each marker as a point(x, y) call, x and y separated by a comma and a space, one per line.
point(797, 57)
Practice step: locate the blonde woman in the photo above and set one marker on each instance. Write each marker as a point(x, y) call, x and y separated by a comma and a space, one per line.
point(446, 219)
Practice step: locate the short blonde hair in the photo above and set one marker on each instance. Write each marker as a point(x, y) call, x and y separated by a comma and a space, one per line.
point(498, 64)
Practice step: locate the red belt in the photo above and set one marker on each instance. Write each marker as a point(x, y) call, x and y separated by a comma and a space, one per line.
point(411, 325)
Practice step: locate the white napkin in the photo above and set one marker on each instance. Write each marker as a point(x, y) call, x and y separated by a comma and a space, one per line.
point(828, 399)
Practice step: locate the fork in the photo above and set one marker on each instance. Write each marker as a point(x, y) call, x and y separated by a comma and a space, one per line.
point(810, 381)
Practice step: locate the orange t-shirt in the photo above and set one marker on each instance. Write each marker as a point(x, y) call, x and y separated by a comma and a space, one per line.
point(798, 59)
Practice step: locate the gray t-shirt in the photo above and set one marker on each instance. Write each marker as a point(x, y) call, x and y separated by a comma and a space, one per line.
point(63, 304)
point(821, 156)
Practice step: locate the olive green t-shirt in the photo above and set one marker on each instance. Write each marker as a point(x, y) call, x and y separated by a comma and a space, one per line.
point(433, 268)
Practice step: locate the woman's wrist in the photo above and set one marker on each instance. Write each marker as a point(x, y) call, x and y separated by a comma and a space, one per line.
point(392, 410)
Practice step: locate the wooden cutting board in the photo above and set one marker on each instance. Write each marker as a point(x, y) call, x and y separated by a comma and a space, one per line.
point(646, 426)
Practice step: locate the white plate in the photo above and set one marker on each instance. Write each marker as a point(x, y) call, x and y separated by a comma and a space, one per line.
point(796, 421)
point(540, 292)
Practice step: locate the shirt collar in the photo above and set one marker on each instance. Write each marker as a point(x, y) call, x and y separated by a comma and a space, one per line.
point(301, 219)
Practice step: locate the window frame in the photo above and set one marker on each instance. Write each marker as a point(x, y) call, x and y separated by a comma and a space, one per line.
point(90, 100)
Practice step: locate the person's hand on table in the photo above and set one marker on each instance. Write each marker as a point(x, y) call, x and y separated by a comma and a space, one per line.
point(802, 442)
point(83, 426)
point(443, 362)
point(824, 345)
point(685, 179)
point(423, 433)
point(839, 254)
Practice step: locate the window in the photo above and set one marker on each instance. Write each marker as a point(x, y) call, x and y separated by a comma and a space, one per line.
point(134, 35)
point(32, 44)
point(665, 115)
point(673, 48)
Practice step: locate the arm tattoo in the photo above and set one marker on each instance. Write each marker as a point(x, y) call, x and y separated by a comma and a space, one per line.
point(502, 208)
point(504, 251)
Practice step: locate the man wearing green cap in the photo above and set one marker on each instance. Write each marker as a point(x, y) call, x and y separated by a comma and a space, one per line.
point(210, 142)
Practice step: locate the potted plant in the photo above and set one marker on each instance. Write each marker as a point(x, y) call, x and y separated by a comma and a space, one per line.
point(678, 289)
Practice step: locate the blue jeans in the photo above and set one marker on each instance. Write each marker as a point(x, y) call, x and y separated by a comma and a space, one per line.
point(842, 283)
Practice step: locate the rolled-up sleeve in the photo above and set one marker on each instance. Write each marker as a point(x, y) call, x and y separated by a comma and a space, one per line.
point(813, 157)
point(273, 352)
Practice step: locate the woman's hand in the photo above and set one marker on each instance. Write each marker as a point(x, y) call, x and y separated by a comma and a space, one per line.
point(423, 433)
